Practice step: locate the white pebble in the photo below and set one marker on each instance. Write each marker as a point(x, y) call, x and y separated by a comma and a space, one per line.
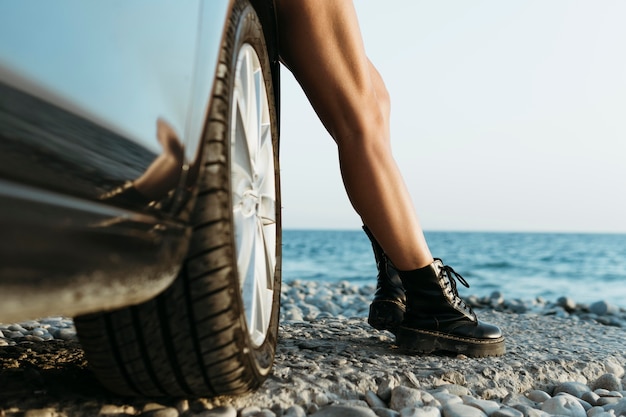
point(462, 410)
point(486, 406)
point(447, 399)
point(564, 406)
point(538, 396)
point(226, 411)
point(405, 397)
point(374, 400)
point(294, 411)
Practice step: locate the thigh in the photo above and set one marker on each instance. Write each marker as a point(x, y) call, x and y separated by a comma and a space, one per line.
point(321, 44)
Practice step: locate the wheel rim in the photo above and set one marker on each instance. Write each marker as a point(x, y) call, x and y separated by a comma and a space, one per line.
point(253, 193)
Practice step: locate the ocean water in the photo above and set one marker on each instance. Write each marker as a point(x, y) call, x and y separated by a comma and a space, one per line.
point(584, 267)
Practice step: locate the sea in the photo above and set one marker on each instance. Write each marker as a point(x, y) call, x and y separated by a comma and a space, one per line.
point(584, 267)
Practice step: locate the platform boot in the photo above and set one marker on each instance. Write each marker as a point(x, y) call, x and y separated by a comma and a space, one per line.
point(437, 319)
point(388, 305)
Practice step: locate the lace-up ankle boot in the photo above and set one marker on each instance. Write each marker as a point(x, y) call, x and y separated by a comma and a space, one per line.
point(437, 319)
point(387, 308)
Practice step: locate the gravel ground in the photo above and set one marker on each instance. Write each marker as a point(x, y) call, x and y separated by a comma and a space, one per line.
point(339, 365)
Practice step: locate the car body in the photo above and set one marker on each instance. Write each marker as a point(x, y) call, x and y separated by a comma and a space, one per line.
point(92, 94)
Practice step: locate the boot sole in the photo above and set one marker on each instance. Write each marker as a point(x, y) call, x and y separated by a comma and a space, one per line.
point(385, 315)
point(427, 341)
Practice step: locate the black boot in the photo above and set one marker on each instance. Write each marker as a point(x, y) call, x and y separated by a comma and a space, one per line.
point(387, 308)
point(437, 319)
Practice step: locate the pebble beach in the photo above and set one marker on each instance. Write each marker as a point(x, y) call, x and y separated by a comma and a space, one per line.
point(563, 359)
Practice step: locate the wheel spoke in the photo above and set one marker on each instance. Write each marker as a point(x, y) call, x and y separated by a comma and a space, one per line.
point(260, 308)
point(253, 185)
point(240, 149)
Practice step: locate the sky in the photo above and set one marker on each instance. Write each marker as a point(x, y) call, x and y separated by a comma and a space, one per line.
point(506, 116)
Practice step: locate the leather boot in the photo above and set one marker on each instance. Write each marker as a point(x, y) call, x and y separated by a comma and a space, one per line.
point(387, 308)
point(437, 319)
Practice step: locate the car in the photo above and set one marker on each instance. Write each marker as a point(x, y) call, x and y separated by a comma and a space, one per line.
point(139, 186)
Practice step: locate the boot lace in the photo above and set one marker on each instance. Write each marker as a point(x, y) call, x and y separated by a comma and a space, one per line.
point(450, 277)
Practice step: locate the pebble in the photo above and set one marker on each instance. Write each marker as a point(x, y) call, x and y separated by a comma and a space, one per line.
point(344, 411)
point(462, 410)
point(563, 406)
point(405, 397)
point(427, 411)
point(294, 411)
point(538, 396)
point(398, 394)
point(374, 400)
point(574, 388)
point(224, 411)
point(486, 406)
point(161, 412)
point(608, 382)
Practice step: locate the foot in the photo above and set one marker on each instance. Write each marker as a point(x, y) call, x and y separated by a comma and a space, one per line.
point(437, 319)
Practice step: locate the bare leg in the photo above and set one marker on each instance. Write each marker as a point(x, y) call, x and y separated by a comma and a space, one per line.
point(321, 44)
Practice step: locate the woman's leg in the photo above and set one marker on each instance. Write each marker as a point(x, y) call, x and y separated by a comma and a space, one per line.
point(321, 44)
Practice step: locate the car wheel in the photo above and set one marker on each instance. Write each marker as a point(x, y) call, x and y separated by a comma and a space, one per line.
point(214, 331)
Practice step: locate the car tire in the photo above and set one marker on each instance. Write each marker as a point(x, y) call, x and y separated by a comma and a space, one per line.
point(214, 330)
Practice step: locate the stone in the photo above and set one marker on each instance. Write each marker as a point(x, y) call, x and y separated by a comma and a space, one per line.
point(613, 366)
point(226, 411)
point(619, 409)
point(321, 399)
point(67, 334)
point(447, 399)
point(40, 412)
point(344, 411)
point(374, 400)
point(595, 412)
point(294, 411)
point(250, 411)
point(567, 303)
point(428, 399)
point(403, 397)
point(507, 412)
point(385, 387)
point(456, 389)
point(461, 410)
point(421, 412)
point(607, 400)
point(513, 399)
point(385, 412)
point(591, 397)
point(602, 308)
point(563, 405)
point(117, 409)
point(529, 411)
point(161, 412)
point(486, 406)
point(582, 402)
point(609, 382)
point(538, 396)
point(575, 388)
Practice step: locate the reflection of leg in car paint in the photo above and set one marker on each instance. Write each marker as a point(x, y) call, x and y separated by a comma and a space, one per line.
point(160, 178)
point(163, 174)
